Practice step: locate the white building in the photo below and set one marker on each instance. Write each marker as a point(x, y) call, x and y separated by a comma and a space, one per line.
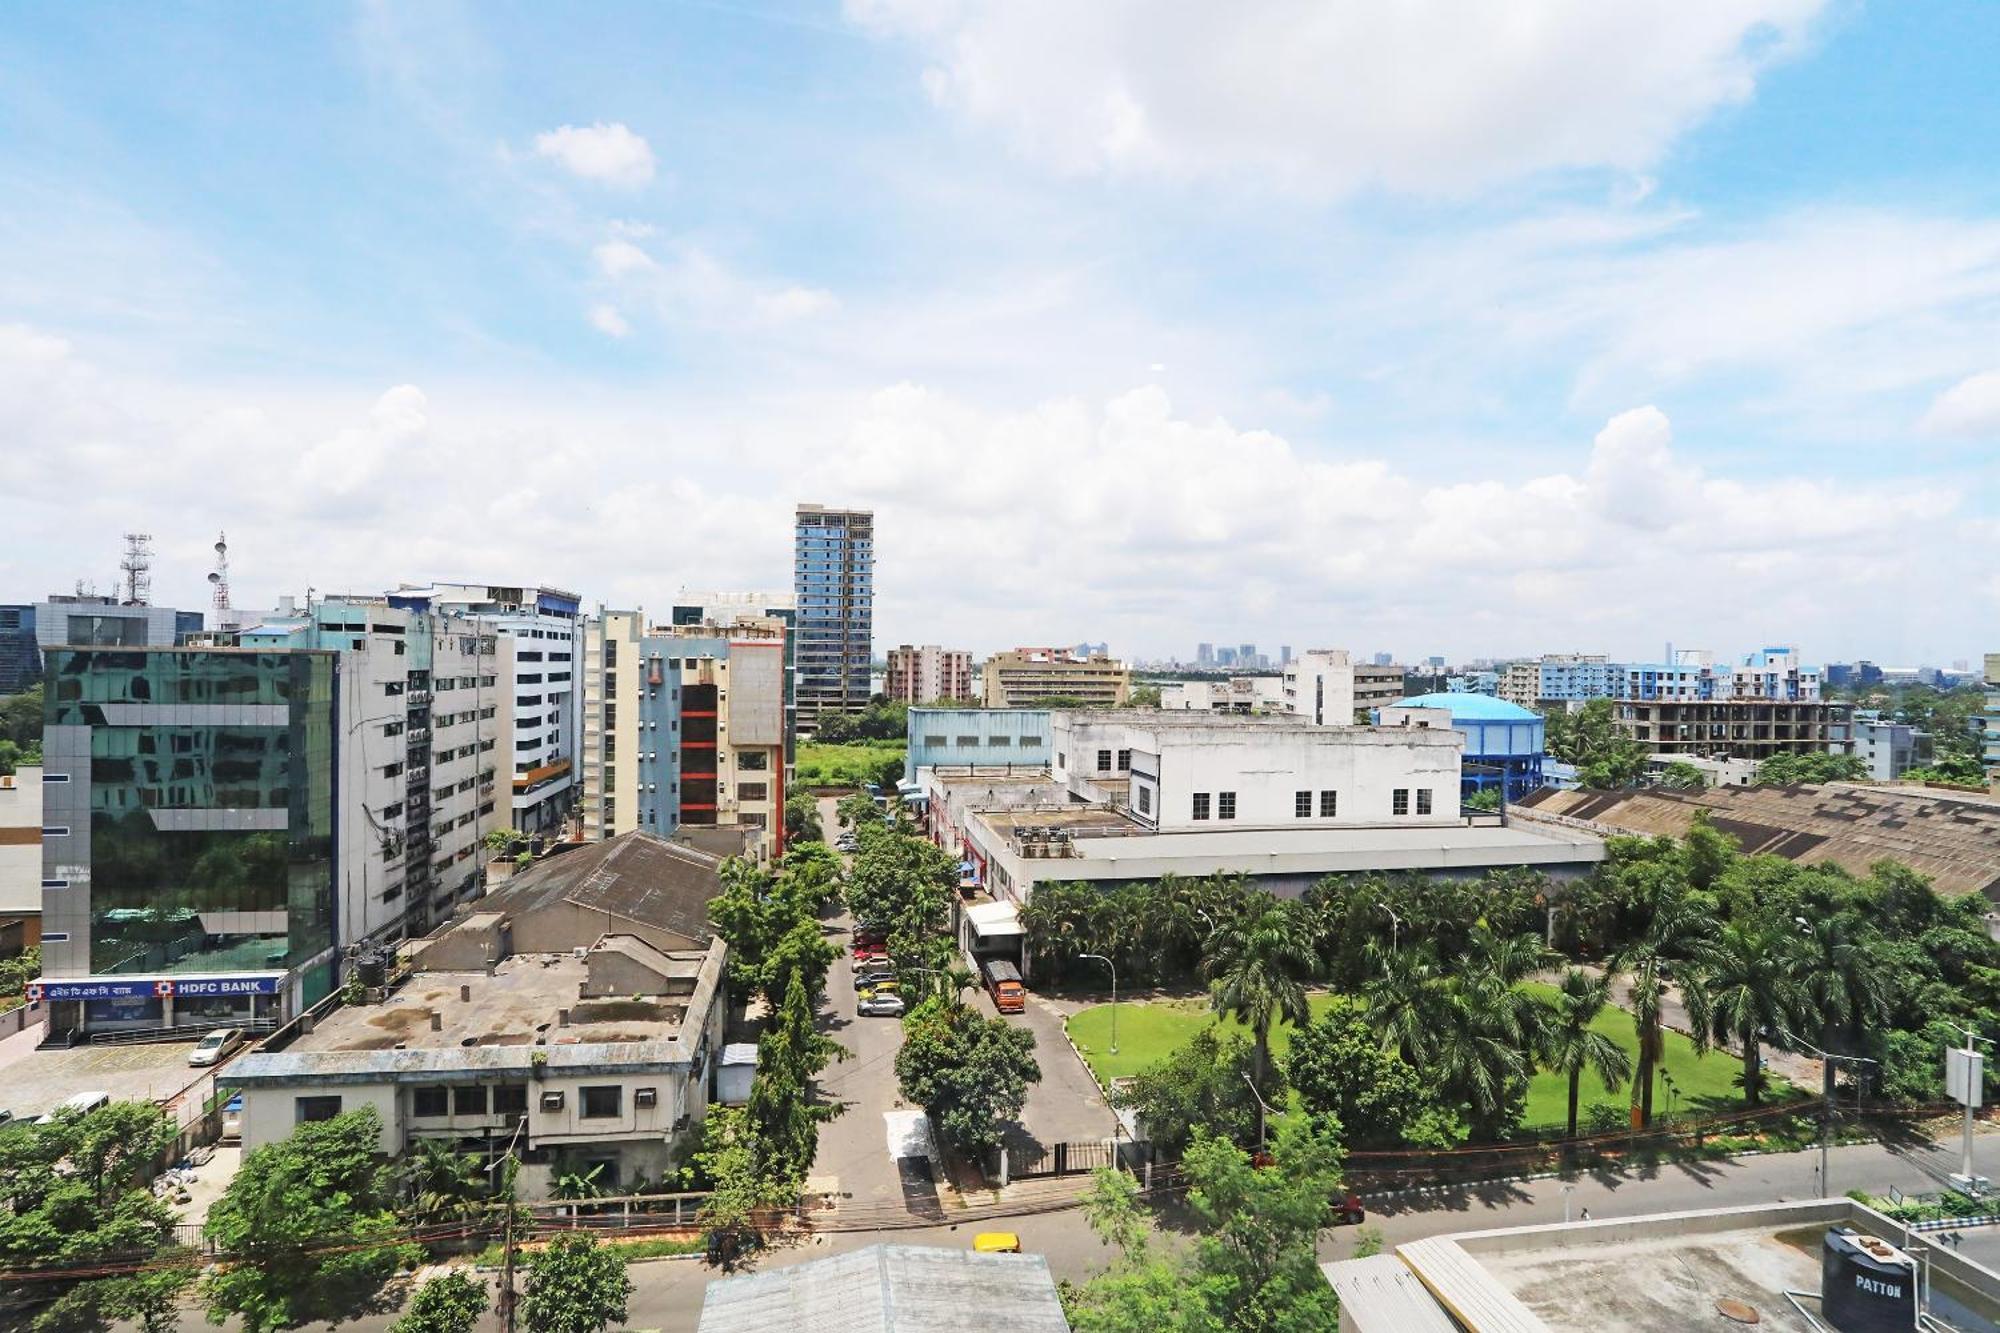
point(540, 656)
point(1238, 694)
point(1889, 748)
point(20, 859)
point(1319, 687)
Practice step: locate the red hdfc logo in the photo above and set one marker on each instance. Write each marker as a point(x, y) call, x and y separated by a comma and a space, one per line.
point(163, 989)
point(34, 992)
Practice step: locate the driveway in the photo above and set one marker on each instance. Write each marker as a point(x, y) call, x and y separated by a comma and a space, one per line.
point(1067, 1106)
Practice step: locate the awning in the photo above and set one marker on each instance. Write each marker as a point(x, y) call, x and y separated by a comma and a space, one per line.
point(994, 920)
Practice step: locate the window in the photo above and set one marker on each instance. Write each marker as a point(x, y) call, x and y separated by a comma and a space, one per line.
point(1201, 805)
point(1025, 740)
point(1145, 798)
point(999, 740)
point(754, 761)
point(1302, 804)
point(1225, 805)
point(1423, 800)
point(1104, 761)
point(468, 1101)
point(1124, 761)
point(1399, 801)
point(934, 742)
point(753, 791)
point(968, 742)
point(429, 1103)
point(1062, 760)
point(392, 770)
point(307, 1110)
point(602, 1103)
point(1329, 804)
point(645, 1097)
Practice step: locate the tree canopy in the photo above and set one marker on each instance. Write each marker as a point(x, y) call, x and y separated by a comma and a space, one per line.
point(970, 1072)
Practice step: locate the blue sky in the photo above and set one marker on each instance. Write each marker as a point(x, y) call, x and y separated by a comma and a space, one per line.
point(1434, 328)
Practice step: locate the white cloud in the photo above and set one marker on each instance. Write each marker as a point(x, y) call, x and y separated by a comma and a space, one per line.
point(610, 154)
point(689, 284)
point(617, 258)
point(1121, 518)
point(607, 320)
point(1431, 96)
point(1971, 408)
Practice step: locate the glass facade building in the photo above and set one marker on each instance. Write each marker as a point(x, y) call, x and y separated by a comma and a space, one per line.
point(20, 656)
point(833, 577)
point(189, 830)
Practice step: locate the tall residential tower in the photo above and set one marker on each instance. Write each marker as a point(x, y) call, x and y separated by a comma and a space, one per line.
point(833, 575)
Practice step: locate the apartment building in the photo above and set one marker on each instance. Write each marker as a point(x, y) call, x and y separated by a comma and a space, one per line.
point(1324, 686)
point(1023, 676)
point(1753, 729)
point(719, 609)
point(1559, 680)
point(1889, 748)
point(833, 582)
point(540, 647)
point(685, 727)
point(928, 674)
point(1776, 674)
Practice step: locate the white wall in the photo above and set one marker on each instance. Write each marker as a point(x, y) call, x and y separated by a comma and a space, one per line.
point(1319, 687)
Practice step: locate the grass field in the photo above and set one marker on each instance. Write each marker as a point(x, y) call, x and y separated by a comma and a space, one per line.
point(1149, 1031)
point(848, 765)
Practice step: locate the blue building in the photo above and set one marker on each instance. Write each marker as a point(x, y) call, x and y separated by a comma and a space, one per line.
point(833, 579)
point(1504, 742)
point(20, 655)
point(977, 737)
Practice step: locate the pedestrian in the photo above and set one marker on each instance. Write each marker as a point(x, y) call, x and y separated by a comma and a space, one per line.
point(1586, 1214)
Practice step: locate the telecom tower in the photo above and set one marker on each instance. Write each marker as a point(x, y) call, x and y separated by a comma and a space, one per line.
point(219, 577)
point(137, 567)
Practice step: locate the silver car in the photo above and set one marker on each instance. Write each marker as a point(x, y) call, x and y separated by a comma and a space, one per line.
point(879, 1006)
point(216, 1047)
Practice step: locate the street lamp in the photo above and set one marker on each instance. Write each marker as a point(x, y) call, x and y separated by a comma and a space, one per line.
point(1114, 994)
point(1395, 927)
point(1264, 1112)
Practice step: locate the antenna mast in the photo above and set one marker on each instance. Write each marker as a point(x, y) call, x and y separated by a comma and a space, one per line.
point(137, 567)
point(219, 577)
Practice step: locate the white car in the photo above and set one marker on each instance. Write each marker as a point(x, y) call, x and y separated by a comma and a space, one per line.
point(216, 1047)
point(879, 1006)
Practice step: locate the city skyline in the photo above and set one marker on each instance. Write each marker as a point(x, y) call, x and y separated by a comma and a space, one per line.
point(1112, 346)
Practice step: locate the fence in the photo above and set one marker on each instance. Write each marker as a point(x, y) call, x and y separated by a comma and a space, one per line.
point(1060, 1159)
point(19, 1018)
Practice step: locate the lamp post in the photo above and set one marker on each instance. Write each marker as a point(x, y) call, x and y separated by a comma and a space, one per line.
point(1264, 1111)
point(1114, 994)
point(1395, 927)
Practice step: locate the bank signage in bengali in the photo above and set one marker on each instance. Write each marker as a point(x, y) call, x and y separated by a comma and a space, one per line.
point(153, 988)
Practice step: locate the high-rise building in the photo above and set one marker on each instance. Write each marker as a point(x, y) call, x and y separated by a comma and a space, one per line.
point(833, 579)
point(1384, 659)
point(1204, 654)
point(20, 655)
point(729, 608)
point(929, 674)
point(1022, 677)
point(83, 619)
point(540, 652)
point(1284, 655)
point(685, 727)
point(1560, 679)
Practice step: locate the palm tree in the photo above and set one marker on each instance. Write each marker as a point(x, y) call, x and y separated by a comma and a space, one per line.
point(1676, 943)
point(1841, 979)
point(443, 1183)
point(1751, 987)
point(1257, 967)
point(1571, 1045)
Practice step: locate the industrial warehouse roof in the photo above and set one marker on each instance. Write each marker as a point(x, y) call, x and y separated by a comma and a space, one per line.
point(1951, 837)
point(1471, 707)
point(891, 1289)
point(638, 875)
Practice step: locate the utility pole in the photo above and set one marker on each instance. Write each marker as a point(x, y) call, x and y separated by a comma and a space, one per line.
point(1833, 1062)
point(1964, 1083)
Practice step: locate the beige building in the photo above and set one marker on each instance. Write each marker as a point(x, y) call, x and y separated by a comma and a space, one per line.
point(20, 860)
point(929, 674)
point(1021, 676)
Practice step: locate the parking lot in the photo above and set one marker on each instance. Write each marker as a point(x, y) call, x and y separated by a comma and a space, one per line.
point(39, 1080)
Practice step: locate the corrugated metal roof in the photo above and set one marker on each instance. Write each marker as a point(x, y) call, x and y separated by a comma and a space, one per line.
point(1380, 1294)
point(637, 875)
point(891, 1289)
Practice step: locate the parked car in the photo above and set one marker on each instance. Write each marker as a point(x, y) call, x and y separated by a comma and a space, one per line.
point(996, 1242)
point(879, 1006)
point(867, 958)
point(886, 986)
point(82, 1103)
point(216, 1047)
point(875, 977)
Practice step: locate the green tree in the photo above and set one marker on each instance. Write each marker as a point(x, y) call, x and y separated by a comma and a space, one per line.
point(1143, 1291)
point(970, 1072)
point(1842, 982)
point(1750, 987)
point(576, 1285)
point(73, 1195)
point(1257, 969)
point(889, 772)
point(742, 1199)
point(1258, 1229)
point(1680, 775)
point(1143, 696)
point(21, 718)
point(1571, 1043)
point(901, 884)
point(1204, 1085)
point(1340, 1067)
point(311, 1224)
point(1964, 770)
point(1791, 770)
point(449, 1303)
point(1676, 944)
point(1591, 740)
point(442, 1183)
point(784, 1118)
point(802, 819)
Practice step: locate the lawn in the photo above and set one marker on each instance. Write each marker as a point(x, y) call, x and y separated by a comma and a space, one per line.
point(1148, 1031)
point(847, 765)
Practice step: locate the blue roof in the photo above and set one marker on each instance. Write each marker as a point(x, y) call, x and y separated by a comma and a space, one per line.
point(1472, 707)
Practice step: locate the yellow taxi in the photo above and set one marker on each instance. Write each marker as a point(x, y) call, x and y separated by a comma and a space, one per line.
point(996, 1242)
